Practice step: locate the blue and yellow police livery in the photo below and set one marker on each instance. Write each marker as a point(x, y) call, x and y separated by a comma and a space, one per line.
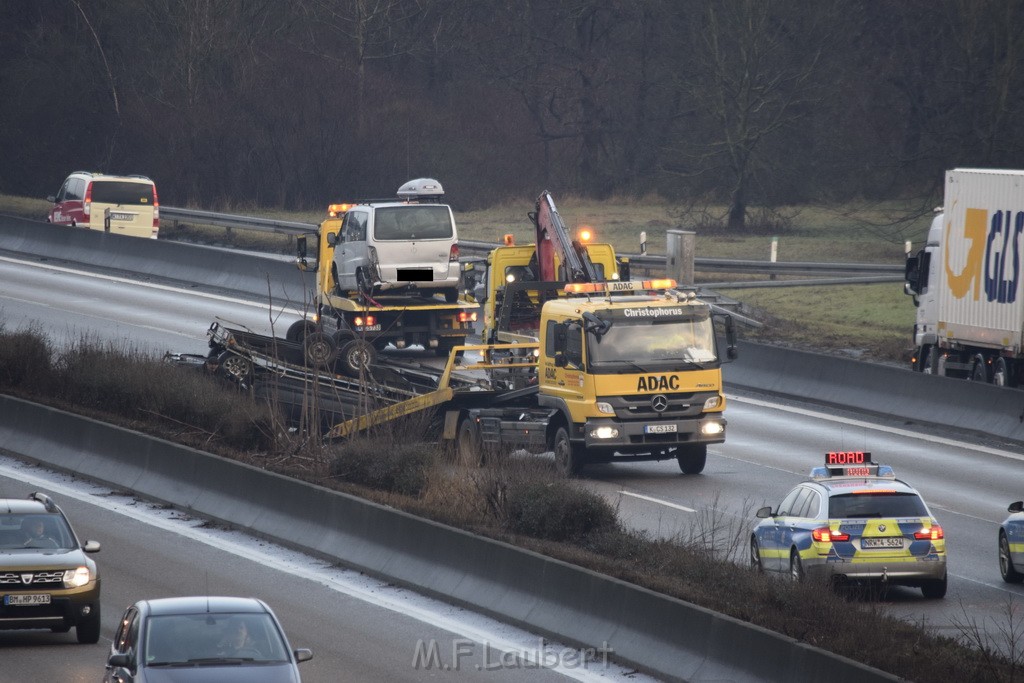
point(854, 521)
point(1011, 544)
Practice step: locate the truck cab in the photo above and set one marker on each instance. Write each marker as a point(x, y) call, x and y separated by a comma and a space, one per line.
point(405, 246)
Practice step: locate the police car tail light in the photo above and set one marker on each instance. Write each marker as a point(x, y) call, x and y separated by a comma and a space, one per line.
point(75, 578)
point(933, 533)
point(826, 535)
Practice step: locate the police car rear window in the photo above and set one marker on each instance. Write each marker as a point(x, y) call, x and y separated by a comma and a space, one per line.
point(853, 505)
point(118, 192)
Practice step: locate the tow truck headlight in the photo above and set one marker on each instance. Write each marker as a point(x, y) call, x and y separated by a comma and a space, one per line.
point(712, 428)
point(605, 407)
point(712, 403)
point(76, 578)
point(605, 432)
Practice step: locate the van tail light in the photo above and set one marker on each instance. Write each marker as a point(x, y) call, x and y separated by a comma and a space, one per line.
point(87, 202)
point(826, 535)
point(453, 255)
point(156, 213)
point(933, 533)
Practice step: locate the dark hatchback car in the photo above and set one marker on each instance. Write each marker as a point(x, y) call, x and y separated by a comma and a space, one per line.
point(47, 579)
point(202, 639)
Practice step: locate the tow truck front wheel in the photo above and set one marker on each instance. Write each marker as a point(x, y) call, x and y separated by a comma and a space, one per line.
point(692, 459)
point(568, 458)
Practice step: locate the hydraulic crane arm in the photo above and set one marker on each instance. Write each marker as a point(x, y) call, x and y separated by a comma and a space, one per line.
point(554, 238)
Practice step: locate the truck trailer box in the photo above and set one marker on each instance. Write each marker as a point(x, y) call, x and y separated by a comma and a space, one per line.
point(980, 301)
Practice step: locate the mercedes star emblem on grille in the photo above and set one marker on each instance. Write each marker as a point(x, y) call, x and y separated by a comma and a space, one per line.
point(659, 403)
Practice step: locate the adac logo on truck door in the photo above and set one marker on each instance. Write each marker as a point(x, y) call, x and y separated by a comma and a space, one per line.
point(994, 254)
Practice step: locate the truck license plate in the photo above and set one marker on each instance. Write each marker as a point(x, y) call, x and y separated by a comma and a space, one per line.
point(121, 216)
point(891, 542)
point(33, 599)
point(659, 429)
point(369, 328)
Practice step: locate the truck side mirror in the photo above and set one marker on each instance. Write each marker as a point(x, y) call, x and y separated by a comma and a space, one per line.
point(300, 247)
point(912, 274)
point(332, 238)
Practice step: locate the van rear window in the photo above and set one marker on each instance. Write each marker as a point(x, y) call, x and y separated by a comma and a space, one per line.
point(119, 192)
point(413, 223)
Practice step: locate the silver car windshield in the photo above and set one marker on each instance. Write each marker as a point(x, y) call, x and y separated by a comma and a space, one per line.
point(212, 638)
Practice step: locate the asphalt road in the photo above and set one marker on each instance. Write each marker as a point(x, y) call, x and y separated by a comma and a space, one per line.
point(770, 447)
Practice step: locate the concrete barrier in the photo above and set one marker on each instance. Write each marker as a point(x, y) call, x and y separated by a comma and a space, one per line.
point(188, 264)
point(925, 400)
point(666, 637)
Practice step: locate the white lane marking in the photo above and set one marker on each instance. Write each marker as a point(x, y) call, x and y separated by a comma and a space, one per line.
point(871, 425)
point(150, 285)
point(528, 649)
point(657, 500)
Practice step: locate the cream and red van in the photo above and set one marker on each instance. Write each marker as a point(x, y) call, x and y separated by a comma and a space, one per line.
point(124, 205)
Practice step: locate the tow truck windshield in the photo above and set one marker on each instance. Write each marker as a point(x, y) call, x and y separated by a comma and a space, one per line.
point(651, 343)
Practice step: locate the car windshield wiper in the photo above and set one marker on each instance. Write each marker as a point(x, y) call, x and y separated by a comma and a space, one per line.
point(624, 360)
point(204, 661)
point(691, 363)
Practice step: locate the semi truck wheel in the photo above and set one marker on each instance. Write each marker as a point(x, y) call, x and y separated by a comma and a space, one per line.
point(1000, 373)
point(929, 360)
point(979, 373)
point(568, 458)
point(692, 459)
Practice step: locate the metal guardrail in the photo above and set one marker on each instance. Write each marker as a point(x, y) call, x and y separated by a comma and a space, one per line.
point(869, 272)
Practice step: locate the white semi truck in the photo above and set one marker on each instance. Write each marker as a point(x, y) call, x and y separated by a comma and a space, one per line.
point(967, 280)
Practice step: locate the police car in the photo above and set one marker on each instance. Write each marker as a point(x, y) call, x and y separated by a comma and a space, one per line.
point(854, 520)
point(1011, 544)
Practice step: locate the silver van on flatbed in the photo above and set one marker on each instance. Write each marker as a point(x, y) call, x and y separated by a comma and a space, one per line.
point(405, 246)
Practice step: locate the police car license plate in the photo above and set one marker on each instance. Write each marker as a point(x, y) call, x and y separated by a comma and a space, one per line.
point(120, 216)
point(890, 542)
point(33, 599)
point(659, 429)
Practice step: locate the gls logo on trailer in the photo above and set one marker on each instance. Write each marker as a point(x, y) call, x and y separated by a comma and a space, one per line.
point(994, 250)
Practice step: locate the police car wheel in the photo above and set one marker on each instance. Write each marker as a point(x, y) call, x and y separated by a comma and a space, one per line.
point(1006, 568)
point(755, 556)
point(796, 567)
point(935, 588)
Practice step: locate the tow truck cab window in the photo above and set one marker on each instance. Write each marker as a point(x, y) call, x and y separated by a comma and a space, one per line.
point(574, 344)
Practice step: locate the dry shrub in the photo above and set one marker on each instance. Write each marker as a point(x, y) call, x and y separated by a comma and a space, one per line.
point(528, 496)
point(25, 359)
point(400, 468)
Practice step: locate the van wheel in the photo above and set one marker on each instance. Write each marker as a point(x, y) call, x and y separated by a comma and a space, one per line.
point(356, 357)
point(236, 368)
point(319, 349)
point(364, 282)
point(299, 329)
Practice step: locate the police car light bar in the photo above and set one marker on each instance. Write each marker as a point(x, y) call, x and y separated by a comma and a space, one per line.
point(851, 464)
point(613, 287)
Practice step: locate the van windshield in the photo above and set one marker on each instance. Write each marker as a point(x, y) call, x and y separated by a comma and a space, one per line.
point(413, 223)
point(120, 192)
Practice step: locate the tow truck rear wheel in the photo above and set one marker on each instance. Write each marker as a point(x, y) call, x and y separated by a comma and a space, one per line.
point(692, 459)
point(356, 357)
point(320, 350)
point(568, 458)
point(468, 447)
